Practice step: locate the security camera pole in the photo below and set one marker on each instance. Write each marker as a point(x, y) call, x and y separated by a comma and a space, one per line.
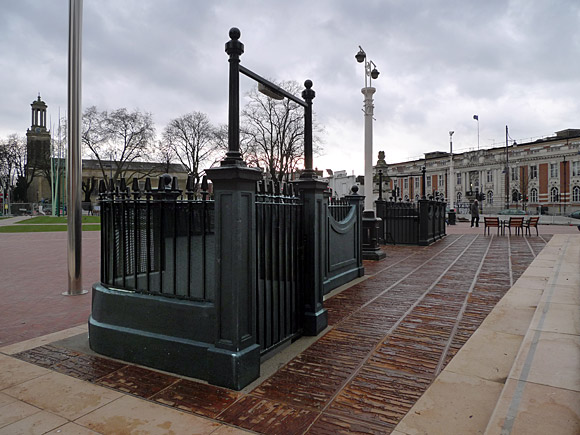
point(371, 224)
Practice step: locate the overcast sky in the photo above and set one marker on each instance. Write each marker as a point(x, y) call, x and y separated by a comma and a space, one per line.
point(512, 63)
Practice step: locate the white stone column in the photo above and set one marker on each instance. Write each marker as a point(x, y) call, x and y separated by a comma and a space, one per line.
point(368, 109)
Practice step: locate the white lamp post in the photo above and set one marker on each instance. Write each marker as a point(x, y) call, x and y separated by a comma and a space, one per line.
point(371, 224)
point(451, 174)
point(371, 73)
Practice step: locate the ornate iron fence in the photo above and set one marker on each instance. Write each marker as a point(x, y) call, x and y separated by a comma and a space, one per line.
point(154, 241)
point(414, 223)
point(343, 255)
point(339, 208)
point(279, 264)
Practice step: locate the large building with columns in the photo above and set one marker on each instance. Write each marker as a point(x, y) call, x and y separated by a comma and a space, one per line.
point(541, 175)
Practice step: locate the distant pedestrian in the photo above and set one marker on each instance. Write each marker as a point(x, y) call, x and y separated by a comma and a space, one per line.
point(475, 213)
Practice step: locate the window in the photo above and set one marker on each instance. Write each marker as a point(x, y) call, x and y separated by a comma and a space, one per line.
point(406, 183)
point(489, 197)
point(515, 174)
point(490, 176)
point(428, 181)
point(533, 172)
point(534, 195)
point(575, 169)
point(458, 179)
point(576, 194)
point(458, 196)
point(553, 170)
point(441, 181)
point(554, 194)
point(417, 182)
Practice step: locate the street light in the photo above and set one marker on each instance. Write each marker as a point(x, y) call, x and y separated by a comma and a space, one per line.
point(451, 180)
point(371, 73)
point(371, 224)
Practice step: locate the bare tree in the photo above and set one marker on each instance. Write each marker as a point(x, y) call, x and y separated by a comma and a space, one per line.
point(7, 159)
point(274, 132)
point(165, 155)
point(15, 166)
point(194, 140)
point(117, 139)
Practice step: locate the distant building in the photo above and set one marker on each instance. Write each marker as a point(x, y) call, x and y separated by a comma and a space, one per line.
point(38, 156)
point(341, 183)
point(542, 173)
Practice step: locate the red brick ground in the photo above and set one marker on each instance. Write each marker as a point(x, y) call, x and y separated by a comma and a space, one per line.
point(33, 276)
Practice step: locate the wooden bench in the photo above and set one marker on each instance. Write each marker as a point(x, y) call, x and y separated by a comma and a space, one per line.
point(517, 223)
point(491, 222)
point(532, 223)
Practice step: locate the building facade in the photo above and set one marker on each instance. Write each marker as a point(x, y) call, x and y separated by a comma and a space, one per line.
point(539, 176)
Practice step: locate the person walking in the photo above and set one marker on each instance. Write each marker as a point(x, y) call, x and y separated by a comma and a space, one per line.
point(475, 213)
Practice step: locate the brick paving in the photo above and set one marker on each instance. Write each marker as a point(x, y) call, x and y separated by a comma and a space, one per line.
point(389, 337)
point(33, 276)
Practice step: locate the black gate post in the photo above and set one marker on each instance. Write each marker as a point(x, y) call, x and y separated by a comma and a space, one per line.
point(314, 218)
point(234, 360)
point(425, 222)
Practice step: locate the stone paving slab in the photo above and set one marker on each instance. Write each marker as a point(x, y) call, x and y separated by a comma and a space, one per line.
point(391, 335)
point(493, 383)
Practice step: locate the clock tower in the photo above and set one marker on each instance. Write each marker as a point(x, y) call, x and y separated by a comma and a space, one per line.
point(38, 152)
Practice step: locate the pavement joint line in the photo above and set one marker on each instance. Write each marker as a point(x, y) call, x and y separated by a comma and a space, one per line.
point(398, 322)
point(530, 246)
point(511, 272)
point(402, 279)
point(514, 406)
point(363, 278)
point(462, 310)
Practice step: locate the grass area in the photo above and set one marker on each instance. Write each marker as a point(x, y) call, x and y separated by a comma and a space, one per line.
point(43, 228)
point(43, 220)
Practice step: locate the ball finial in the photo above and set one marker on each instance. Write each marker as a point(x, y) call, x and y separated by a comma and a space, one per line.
point(308, 84)
point(235, 33)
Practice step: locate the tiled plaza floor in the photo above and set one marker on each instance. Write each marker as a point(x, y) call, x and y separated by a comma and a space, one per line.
point(389, 337)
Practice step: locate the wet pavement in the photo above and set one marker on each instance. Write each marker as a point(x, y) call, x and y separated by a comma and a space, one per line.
point(389, 337)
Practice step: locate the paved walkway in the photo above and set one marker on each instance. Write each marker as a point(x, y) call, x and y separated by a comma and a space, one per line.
point(377, 369)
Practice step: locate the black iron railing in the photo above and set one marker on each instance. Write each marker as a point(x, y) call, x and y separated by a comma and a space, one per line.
point(339, 208)
point(157, 241)
point(279, 265)
point(414, 223)
point(400, 222)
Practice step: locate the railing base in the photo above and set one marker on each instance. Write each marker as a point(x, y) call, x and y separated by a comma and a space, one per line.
point(314, 323)
point(232, 369)
point(168, 334)
point(371, 229)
